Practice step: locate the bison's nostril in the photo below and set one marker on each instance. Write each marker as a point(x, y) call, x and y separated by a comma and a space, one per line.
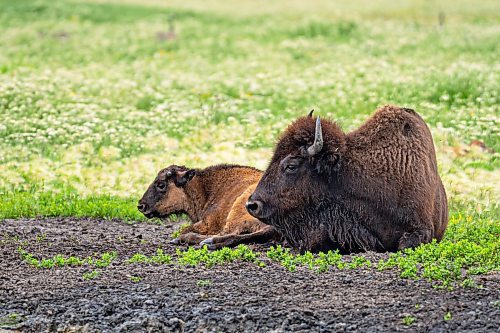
point(254, 207)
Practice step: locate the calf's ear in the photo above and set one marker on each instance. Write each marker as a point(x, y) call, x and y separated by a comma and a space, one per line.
point(183, 177)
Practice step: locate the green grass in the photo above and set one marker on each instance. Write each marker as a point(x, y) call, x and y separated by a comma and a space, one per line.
point(91, 97)
point(94, 100)
point(181, 227)
point(159, 258)
point(59, 260)
point(204, 283)
point(471, 246)
point(91, 275)
point(193, 257)
point(135, 279)
point(467, 251)
point(409, 320)
point(38, 202)
point(320, 262)
point(11, 319)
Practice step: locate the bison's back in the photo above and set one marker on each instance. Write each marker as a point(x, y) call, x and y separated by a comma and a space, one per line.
point(391, 163)
point(394, 152)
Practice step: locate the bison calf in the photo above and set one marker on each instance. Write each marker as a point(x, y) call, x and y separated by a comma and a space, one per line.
point(376, 188)
point(214, 199)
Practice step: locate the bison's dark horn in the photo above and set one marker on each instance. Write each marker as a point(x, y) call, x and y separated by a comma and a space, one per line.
point(318, 140)
point(310, 113)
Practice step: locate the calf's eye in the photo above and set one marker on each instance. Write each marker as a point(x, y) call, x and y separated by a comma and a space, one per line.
point(161, 185)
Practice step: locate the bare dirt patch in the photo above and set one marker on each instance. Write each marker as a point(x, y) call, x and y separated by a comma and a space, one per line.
point(231, 298)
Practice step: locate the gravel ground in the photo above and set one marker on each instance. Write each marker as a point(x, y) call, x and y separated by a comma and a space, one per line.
point(238, 297)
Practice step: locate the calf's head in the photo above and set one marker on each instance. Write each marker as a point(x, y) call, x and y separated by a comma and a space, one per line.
point(166, 195)
point(304, 164)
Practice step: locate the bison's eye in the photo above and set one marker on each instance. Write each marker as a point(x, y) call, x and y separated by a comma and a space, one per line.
point(291, 168)
point(161, 185)
point(290, 165)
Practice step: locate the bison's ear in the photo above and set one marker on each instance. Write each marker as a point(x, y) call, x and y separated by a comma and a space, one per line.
point(183, 177)
point(328, 164)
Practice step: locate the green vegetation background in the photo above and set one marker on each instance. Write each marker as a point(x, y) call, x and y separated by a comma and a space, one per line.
point(97, 96)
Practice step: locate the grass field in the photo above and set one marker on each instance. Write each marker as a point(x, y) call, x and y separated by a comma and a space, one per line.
point(97, 96)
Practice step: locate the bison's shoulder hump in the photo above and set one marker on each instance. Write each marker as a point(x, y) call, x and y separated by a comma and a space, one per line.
point(391, 121)
point(395, 114)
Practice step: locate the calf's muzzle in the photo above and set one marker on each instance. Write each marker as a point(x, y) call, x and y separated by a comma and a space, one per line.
point(145, 209)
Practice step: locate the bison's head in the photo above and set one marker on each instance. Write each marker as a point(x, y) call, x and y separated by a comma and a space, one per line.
point(304, 165)
point(166, 195)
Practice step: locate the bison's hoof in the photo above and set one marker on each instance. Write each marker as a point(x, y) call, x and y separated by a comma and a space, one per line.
point(208, 241)
point(175, 241)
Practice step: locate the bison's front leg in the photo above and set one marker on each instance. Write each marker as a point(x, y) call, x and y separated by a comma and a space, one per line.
point(414, 239)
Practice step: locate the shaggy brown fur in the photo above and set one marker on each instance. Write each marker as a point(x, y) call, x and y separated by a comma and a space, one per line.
point(376, 188)
point(214, 199)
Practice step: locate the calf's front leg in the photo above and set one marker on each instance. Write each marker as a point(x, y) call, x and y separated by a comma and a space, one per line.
point(191, 235)
point(190, 238)
point(264, 235)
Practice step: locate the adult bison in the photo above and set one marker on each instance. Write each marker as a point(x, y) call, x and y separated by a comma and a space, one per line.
point(376, 188)
point(214, 199)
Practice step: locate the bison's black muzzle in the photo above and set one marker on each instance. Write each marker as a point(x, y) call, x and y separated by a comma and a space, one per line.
point(256, 208)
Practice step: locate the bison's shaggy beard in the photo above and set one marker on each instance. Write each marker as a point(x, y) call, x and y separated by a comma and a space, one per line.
point(324, 226)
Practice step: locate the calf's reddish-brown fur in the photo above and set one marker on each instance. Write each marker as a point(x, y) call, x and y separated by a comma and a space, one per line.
point(214, 199)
